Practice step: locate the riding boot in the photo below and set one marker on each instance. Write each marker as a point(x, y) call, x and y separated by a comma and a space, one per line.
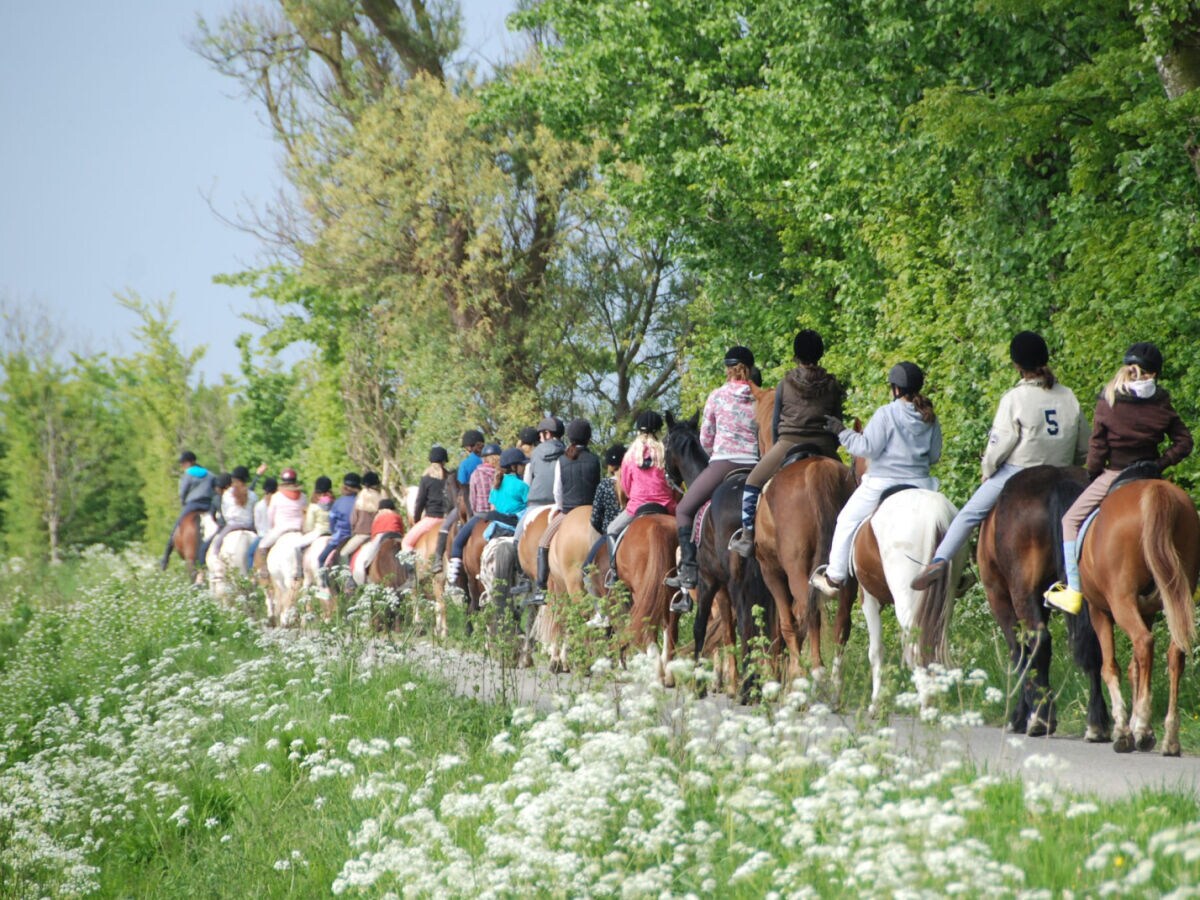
point(688, 575)
point(538, 597)
point(167, 553)
point(440, 553)
point(742, 540)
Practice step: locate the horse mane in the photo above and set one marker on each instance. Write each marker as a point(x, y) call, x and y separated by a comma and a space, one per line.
point(683, 438)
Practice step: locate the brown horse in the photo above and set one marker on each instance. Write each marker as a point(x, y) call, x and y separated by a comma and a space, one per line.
point(186, 542)
point(645, 557)
point(472, 563)
point(793, 533)
point(545, 626)
point(424, 549)
point(391, 569)
point(1142, 555)
point(1019, 558)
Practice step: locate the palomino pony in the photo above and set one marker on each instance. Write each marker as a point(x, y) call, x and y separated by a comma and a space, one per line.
point(424, 549)
point(889, 550)
point(1142, 554)
point(736, 585)
point(1019, 557)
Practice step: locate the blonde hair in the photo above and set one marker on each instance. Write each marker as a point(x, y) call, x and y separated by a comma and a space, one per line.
point(646, 445)
point(1119, 383)
point(737, 372)
point(436, 470)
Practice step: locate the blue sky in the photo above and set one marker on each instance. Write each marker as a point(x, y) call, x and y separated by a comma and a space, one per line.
point(114, 133)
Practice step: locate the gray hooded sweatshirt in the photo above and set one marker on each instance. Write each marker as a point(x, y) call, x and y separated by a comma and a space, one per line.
point(898, 442)
point(539, 474)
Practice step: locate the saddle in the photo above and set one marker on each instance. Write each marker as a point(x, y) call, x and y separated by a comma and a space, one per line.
point(894, 489)
point(1144, 470)
point(650, 509)
point(740, 472)
point(799, 452)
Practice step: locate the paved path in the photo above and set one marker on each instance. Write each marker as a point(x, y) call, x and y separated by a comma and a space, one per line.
point(1093, 769)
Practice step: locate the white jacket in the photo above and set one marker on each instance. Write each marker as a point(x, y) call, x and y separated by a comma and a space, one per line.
point(1036, 426)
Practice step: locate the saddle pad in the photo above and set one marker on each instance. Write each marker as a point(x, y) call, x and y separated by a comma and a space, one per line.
point(698, 524)
point(1139, 471)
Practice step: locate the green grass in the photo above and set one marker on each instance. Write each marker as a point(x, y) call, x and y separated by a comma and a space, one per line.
point(156, 745)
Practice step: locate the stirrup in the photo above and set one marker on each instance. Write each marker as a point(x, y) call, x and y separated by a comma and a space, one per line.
point(535, 598)
point(1064, 597)
point(930, 574)
point(823, 583)
point(681, 602)
point(742, 542)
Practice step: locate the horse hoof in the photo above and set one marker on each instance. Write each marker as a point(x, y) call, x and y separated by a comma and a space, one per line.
point(1146, 741)
point(525, 661)
point(1095, 735)
point(1015, 727)
point(1123, 743)
point(555, 667)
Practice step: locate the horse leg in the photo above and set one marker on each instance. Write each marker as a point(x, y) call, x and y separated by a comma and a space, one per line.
point(841, 632)
point(1102, 622)
point(1001, 604)
point(777, 585)
point(871, 612)
point(1140, 667)
point(1176, 658)
point(1043, 720)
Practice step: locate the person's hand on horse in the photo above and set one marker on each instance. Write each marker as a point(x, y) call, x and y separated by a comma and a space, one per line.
point(262, 467)
point(834, 424)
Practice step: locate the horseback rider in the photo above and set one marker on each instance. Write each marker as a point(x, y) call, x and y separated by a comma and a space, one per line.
point(1133, 415)
point(237, 506)
point(430, 507)
point(508, 500)
point(196, 494)
point(366, 504)
point(285, 512)
point(643, 473)
point(606, 502)
point(482, 479)
point(1038, 422)
point(527, 440)
point(539, 473)
point(316, 517)
point(729, 437)
point(803, 398)
point(472, 442)
point(902, 440)
point(340, 516)
point(576, 476)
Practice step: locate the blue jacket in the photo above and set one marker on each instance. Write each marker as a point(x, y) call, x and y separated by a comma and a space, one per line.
point(467, 466)
point(196, 487)
point(339, 518)
point(511, 497)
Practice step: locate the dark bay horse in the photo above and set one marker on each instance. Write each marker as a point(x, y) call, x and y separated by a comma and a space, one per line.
point(734, 583)
point(1142, 555)
point(1019, 556)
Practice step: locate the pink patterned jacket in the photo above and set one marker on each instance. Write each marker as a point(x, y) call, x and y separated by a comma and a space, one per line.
point(728, 430)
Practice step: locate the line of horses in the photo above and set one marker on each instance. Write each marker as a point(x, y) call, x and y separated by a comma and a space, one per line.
point(1140, 555)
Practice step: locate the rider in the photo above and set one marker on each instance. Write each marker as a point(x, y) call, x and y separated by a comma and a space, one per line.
point(262, 522)
point(527, 440)
point(803, 398)
point(902, 440)
point(387, 520)
point(508, 499)
point(480, 488)
point(286, 513)
point(1133, 416)
point(539, 474)
point(472, 442)
point(237, 507)
point(728, 434)
point(430, 507)
point(606, 502)
point(196, 493)
point(643, 472)
point(316, 517)
point(366, 504)
point(340, 516)
point(1037, 423)
point(576, 475)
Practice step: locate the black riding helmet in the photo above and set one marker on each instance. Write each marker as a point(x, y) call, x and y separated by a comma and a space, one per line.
point(649, 422)
point(270, 484)
point(512, 457)
point(438, 454)
point(1145, 356)
point(807, 347)
point(614, 454)
point(223, 481)
point(527, 435)
point(370, 480)
point(743, 355)
point(493, 450)
point(323, 484)
point(552, 424)
point(240, 473)
point(908, 377)
point(579, 431)
point(471, 437)
point(1029, 351)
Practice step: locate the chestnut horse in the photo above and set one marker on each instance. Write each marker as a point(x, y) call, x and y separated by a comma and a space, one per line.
point(645, 557)
point(545, 626)
point(187, 538)
point(1142, 555)
point(1019, 557)
point(424, 549)
point(395, 569)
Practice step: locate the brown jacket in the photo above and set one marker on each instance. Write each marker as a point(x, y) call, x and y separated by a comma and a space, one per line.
point(805, 396)
point(1132, 430)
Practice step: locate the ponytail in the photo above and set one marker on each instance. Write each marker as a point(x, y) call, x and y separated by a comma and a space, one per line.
point(1042, 373)
point(924, 406)
point(499, 476)
point(738, 372)
point(573, 451)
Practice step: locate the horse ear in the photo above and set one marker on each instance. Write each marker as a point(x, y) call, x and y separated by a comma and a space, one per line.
point(694, 421)
point(857, 424)
point(669, 418)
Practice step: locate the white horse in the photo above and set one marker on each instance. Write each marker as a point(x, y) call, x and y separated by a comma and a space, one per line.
point(232, 559)
point(890, 548)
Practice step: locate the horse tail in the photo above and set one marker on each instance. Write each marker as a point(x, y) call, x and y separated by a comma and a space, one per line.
point(826, 507)
point(932, 619)
point(1160, 515)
